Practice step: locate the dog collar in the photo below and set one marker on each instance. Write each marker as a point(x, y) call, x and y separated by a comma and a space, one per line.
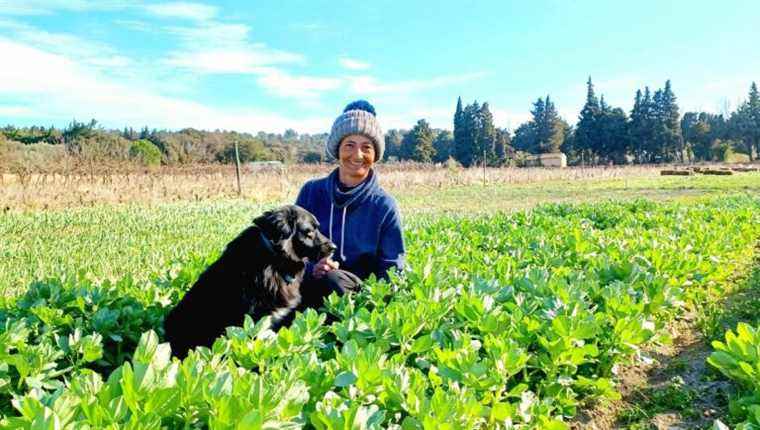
point(270, 247)
point(267, 243)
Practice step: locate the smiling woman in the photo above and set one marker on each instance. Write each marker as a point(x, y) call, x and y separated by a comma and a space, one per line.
point(352, 209)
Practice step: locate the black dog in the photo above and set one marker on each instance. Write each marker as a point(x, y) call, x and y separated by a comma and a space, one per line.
point(259, 274)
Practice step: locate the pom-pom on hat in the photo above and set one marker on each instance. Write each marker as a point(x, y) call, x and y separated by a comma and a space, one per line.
point(357, 118)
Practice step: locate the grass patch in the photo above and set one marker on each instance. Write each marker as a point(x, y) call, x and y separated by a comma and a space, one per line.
point(673, 396)
point(740, 305)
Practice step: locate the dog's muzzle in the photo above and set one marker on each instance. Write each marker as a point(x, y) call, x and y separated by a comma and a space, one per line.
point(328, 248)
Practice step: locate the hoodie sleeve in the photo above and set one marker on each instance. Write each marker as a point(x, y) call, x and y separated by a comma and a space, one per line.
point(391, 249)
point(302, 199)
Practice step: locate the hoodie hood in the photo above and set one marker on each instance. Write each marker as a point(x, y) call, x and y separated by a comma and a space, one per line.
point(342, 200)
point(353, 197)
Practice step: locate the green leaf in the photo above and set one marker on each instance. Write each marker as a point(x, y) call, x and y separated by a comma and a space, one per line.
point(344, 379)
point(422, 344)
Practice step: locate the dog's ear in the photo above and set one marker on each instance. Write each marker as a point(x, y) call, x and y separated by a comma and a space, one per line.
point(292, 217)
point(275, 224)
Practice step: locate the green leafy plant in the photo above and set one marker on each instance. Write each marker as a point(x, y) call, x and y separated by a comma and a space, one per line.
point(738, 358)
point(501, 321)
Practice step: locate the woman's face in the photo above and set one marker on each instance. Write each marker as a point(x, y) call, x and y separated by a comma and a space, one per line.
point(356, 155)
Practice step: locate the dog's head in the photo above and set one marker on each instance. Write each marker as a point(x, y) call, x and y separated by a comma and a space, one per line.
point(294, 231)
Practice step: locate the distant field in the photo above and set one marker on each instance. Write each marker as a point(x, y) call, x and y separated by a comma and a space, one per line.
point(204, 183)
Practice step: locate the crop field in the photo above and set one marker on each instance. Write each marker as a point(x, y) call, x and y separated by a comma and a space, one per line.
point(522, 307)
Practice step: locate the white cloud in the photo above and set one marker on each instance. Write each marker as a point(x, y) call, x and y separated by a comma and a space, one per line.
point(64, 89)
point(136, 25)
point(46, 7)
point(211, 34)
point(239, 61)
point(15, 111)
point(219, 48)
point(371, 85)
point(93, 53)
point(352, 64)
point(302, 87)
point(725, 95)
point(509, 119)
point(191, 11)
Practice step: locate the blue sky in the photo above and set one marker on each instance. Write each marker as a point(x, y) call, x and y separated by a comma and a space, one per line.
point(272, 65)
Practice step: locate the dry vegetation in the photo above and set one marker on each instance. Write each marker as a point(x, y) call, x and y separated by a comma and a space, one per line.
point(88, 184)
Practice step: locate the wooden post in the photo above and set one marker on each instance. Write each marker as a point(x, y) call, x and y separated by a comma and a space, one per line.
point(237, 168)
point(484, 166)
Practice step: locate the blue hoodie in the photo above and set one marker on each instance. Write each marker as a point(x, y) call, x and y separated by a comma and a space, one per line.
point(363, 222)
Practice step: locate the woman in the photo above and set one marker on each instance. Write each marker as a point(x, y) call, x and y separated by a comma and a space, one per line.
point(353, 210)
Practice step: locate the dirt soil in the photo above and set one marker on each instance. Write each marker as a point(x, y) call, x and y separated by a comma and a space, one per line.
point(679, 369)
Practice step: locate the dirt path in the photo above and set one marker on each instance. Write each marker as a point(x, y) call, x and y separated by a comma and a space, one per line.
point(676, 388)
point(672, 390)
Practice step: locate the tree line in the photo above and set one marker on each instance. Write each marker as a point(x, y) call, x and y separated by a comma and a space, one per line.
point(186, 146)
point(652, 132)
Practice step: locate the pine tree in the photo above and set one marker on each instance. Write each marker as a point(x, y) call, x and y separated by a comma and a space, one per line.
point(503, 147)
point(696, 132)
point(753, 106)
point(549, 129)
point(585, 140)
point(418, 143)
point(462, 151)
point(525, 138)
point(635, 127)
point(673, 139)
point(470, 130)
point(443, 144)
point(657, 148)
point(612, 131)
point(485, 141)
point(648, 123)
point(393, 140)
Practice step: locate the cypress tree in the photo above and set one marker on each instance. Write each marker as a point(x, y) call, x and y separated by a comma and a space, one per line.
point(657, 146)
point(648, 123)
point(460, 151)
point(753, 105)
point(470, 130)
point(586, 133)
point(671, 127)
point(486, 138)
point(635, 128)
point(745, 123)
point(549, 130)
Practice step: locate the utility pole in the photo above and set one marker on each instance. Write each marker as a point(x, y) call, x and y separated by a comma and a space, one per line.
point(237, 168)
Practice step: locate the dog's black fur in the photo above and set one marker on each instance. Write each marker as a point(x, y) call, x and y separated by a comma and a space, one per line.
point(259, 274)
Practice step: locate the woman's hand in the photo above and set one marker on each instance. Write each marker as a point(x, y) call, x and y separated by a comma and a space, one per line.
point(324, 266)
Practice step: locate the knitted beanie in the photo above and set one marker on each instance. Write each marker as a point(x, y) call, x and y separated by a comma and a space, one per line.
point(357, 118)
